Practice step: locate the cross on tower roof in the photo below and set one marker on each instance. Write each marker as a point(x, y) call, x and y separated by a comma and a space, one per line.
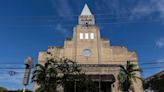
point(86, 10)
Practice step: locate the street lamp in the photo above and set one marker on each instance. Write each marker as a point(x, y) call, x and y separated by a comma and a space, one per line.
point(28, 66)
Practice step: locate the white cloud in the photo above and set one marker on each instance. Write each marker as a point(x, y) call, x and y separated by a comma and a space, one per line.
point(59, 28)
point(148, 9)
point(62, 30)
point(160, 60)
point(62, 7)
point(160, 43)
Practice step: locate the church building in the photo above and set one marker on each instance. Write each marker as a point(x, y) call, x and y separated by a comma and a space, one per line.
point(95, 54)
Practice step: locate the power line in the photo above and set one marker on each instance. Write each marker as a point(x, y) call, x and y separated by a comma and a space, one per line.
point(59, 18)
point(65, 16)
point(53, 18)
point(154, 62)
point(91, 66)
point(74, 24)
point(143, 69)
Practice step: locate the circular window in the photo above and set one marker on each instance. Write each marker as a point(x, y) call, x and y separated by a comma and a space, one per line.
point(87, 52)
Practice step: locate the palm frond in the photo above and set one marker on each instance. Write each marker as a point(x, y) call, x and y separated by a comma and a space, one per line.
point(126, 75)
point(39, 66)
point(123, 69)
point(135, 70)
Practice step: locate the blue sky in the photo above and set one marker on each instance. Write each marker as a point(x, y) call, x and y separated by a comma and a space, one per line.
point(30, 26)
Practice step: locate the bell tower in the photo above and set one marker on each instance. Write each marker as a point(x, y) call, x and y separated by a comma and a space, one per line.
point(86, 17)
point(86, 38)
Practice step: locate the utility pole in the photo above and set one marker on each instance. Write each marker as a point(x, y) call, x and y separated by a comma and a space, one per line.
point(75, 86)
point(28, 65)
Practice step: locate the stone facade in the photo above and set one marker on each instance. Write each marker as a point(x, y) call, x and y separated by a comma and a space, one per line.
point(86, 47)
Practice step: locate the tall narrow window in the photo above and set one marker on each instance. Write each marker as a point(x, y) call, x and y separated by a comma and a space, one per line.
point(81, 36)
point(91, 35)
point(86, 36)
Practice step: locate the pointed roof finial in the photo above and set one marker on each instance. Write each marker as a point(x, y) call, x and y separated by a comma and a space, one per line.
point(86, 10)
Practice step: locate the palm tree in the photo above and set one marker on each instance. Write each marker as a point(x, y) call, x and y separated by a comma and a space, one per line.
point(61, 72)
point(126, 75)
point(46, 77)
point(73, 77)
point(69, 72)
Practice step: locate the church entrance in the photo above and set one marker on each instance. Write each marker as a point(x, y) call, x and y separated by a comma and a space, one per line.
point(106, 87)
point(101, 83)
point(103, 86)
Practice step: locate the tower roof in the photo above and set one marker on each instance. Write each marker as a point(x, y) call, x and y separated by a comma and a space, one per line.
point(86, 10)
